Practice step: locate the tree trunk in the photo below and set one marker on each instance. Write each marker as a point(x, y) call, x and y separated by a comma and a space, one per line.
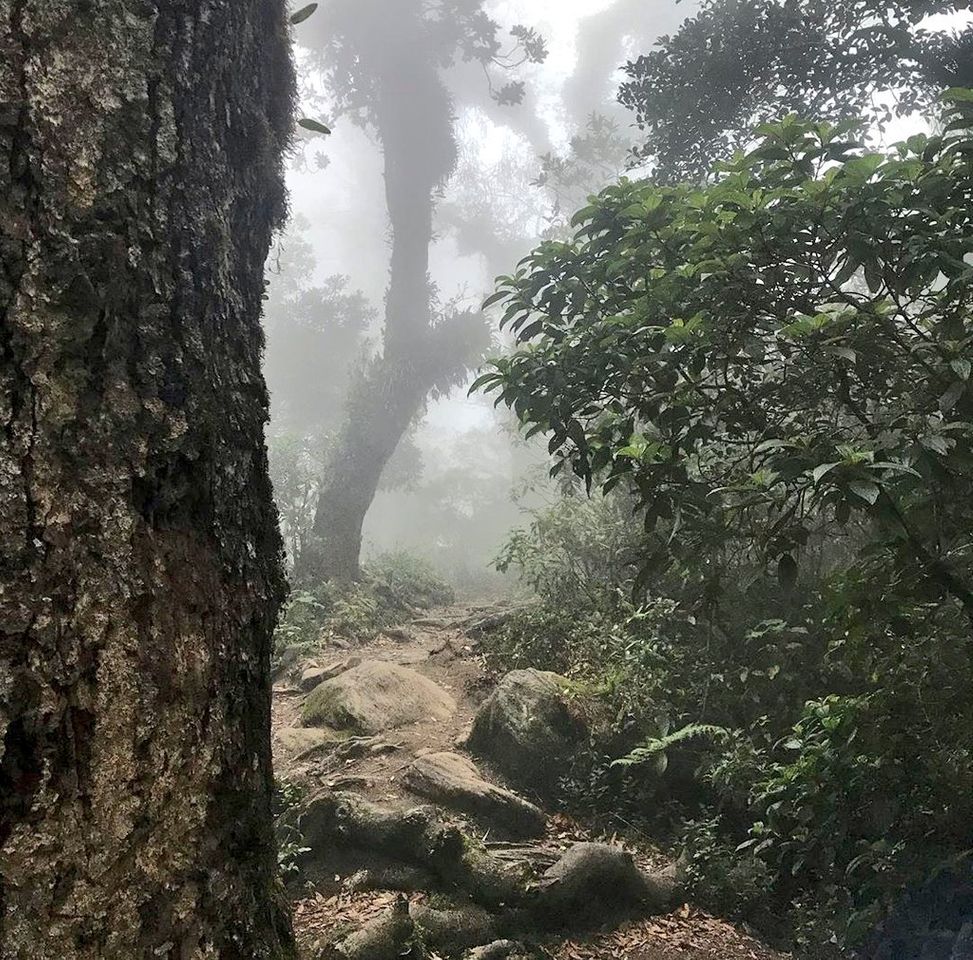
point(384, 402)
point(140, 567)
point(413, 117)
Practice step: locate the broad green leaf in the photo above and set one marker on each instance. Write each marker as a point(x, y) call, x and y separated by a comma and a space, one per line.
point(315, 126)
point(304, 13)
point(951, 397)
point(961, 368)
point(822, 470)
point(866, 490)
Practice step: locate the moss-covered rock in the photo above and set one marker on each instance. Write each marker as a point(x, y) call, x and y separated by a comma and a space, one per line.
point(527, 729)
point(376, 696)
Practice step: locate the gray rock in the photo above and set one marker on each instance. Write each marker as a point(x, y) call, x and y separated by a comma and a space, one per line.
point(453, 781)
point(526, 728)
point(591, 876)
point(376, 696)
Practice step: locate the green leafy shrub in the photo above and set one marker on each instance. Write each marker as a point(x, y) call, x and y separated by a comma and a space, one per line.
point(866, 796)
point(717, 875)
point(288, 794)
point(773, 370)
point(407, 582)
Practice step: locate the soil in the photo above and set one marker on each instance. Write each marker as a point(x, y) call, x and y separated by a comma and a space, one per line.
point(438, 646)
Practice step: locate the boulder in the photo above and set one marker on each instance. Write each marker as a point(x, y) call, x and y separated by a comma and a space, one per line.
point(453, 781)
point(526, 728)
point(313, 674)
point(376, 696)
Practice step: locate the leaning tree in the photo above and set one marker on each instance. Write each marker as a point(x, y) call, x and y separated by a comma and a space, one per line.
point(384, 66)
point(140, 572)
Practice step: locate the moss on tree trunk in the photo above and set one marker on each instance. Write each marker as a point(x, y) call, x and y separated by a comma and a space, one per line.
point(412, 115)
point(140, 566)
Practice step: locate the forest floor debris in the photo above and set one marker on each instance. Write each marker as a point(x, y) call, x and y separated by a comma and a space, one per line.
point(334, 901)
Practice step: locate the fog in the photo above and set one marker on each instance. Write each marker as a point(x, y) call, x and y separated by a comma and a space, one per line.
point(420, 118)
point(463, 132)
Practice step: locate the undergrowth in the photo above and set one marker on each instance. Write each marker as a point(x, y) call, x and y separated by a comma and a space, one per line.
point(394, 588)
point(805, 751)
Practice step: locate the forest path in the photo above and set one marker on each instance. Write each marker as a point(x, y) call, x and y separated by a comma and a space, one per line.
point(439, 647)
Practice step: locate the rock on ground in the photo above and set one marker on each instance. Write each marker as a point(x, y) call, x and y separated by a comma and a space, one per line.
point(376, 696)
point(527, 730)
point(592, 876)
point(453, 781)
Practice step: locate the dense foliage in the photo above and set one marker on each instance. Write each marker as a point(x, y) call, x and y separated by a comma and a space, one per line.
point(788, 347)
point(738, 63)
point(772, 372)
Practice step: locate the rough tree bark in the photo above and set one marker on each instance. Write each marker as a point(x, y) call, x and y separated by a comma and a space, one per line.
point(140, 567)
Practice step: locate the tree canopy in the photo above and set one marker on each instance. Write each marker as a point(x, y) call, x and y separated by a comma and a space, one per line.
point(739, 63)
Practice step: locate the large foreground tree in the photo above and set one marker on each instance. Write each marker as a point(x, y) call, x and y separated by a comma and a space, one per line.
point(139, 570)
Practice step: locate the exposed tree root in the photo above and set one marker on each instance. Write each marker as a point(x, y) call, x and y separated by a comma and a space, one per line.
point(416, 837)
point(390, 937)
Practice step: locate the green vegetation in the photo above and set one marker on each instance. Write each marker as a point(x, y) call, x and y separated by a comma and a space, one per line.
point(394, 588)
point(738, 63)
point(287, 797)
point(769, 378)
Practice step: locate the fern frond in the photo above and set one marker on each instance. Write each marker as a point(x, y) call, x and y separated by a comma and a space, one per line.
point(654, 746)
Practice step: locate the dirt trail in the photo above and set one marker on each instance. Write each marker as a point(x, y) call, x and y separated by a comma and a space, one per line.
point(438, 647)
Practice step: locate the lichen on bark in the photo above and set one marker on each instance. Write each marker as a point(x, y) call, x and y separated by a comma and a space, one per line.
point(140, 567)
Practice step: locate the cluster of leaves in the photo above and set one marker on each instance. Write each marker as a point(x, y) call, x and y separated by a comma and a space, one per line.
point(787, 346)
point(579, 546)
point(287, 796)
point(716, 874)
point(774, 371)
point(738, 63)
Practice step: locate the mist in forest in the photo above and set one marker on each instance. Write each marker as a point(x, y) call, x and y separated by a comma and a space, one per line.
point(462, 133)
